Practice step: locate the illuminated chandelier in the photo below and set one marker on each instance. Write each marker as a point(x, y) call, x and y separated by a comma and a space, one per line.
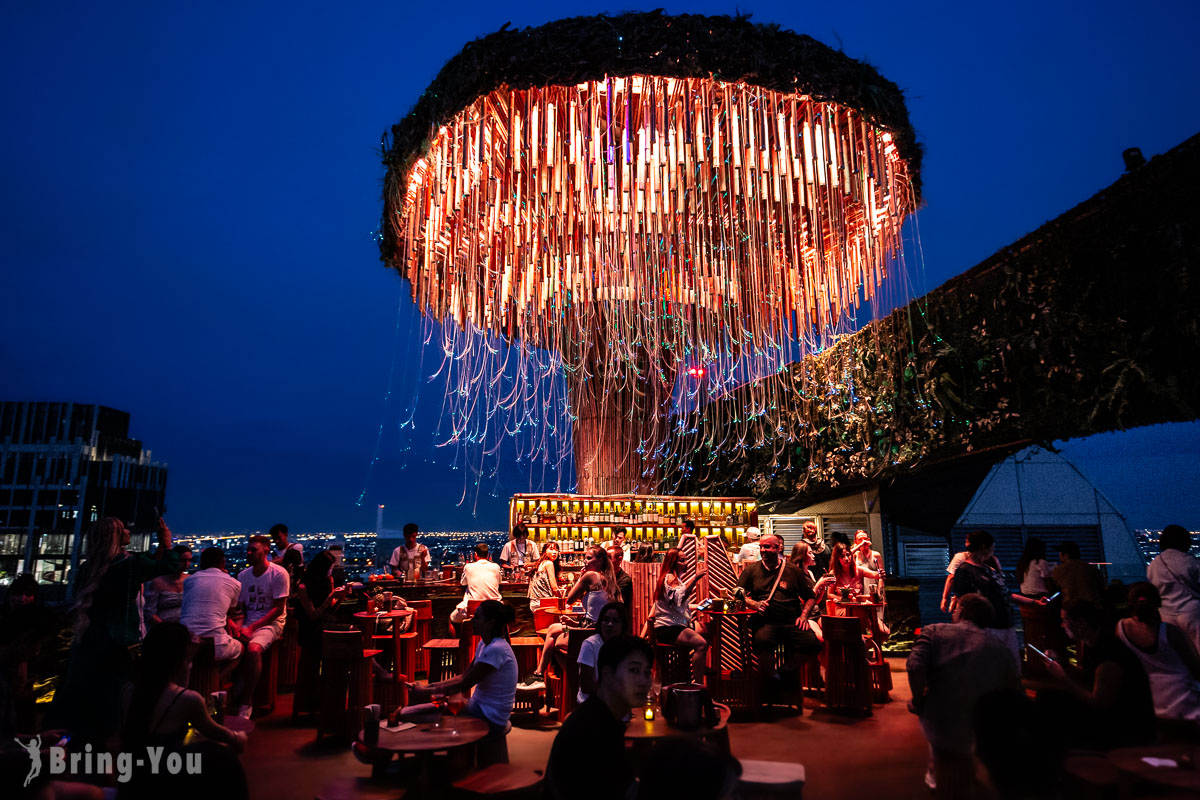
point(639, 197)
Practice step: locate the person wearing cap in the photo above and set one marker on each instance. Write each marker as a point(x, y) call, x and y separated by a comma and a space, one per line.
point(749, 551)
point(871, 559)
point(868, 561)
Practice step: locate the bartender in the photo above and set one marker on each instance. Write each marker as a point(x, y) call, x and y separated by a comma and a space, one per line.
point(519, 551)
point(410, 555)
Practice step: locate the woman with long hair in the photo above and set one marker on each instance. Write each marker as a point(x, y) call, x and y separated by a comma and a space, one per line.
point(644, 554)
point(612, 622)
point(108, 620)
point(846, 571)
point(802, 559)
point(1033, 570)
point(492, 674)
point(596, 587)
point(672, 618)
point(316, 598)
point(1171, 661)
point(544, 583)
point(158, 712)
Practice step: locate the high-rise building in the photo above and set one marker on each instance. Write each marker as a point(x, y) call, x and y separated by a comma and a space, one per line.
point(62, 467)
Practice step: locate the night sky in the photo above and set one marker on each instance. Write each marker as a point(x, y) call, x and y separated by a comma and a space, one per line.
point(190, 198)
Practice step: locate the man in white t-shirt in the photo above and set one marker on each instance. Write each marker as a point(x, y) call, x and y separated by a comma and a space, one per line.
point(749, 551)
point(409, 554)
point(482, 579)
point(209, 596)
point(264, 597)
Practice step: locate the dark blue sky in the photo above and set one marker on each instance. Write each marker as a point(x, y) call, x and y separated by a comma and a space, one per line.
point(189, 197)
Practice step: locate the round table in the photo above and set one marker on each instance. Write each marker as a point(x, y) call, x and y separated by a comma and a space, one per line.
point(1184, 776)
point(643, 734)
point(658, 728)
point(426, 739)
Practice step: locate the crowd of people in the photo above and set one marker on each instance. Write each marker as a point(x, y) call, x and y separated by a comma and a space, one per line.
point(1116, 681)
point(1132, 678)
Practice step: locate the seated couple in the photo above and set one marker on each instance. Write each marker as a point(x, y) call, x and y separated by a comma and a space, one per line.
point(211, 599)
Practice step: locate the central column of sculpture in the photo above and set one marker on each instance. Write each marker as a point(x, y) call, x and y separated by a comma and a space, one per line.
point(621, 409)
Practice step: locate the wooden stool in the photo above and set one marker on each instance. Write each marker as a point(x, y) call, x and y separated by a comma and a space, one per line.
point(562, 683)
point(847, 679)
point(442, 656)
point(423, 627)
point(673, 663)
point(881, 681)
point(205, 676)
point(527, 649)
point(346, 683)
point(307, 697)
point(501, 781)
point(404, 656)
point(289, 652)
point(771, 779)
point(810, 674)
point(268, 681)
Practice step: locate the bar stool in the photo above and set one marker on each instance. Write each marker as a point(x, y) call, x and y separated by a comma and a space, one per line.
point(449, 657)
point(423, 627)
point(546, 614)
point(847, 679)
point(673, 663)
point(267, 688)
point(207, 675)
point(527, 649)
point(346, 683)
point(562, 683)
point(289, 652)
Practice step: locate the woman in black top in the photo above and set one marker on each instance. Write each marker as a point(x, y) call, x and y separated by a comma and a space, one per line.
point(1108, 702)
point(979, 574)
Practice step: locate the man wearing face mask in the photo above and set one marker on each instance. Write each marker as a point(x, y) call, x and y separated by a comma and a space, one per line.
point(776, 589)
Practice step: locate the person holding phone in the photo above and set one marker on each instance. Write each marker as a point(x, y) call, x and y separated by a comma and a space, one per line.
point(1107, 702)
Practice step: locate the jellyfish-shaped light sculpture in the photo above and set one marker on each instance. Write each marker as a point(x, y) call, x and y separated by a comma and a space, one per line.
point(641, 197)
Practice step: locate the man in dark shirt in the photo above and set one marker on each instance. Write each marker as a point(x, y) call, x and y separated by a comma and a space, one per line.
point(624, 579)
point(594, 734)
point(1077, 579)
point(778, 591)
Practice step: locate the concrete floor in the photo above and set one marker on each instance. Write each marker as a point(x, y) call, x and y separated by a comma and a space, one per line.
point(879, 757)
